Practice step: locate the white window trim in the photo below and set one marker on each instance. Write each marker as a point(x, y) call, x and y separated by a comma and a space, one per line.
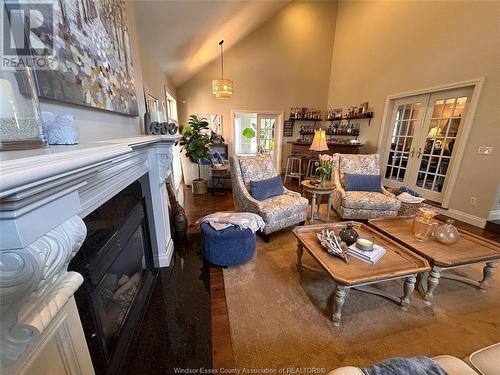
point(477, 84)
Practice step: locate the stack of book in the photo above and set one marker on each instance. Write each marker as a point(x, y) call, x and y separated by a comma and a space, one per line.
point(370, 257)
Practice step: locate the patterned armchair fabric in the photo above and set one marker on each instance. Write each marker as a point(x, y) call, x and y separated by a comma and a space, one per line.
point(277, 212)
point(360, 204)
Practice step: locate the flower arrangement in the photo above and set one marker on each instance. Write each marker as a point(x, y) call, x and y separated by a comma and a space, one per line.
point(324, 167)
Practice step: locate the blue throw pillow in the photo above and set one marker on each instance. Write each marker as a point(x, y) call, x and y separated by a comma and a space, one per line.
point(264, 189)
point(363, 182)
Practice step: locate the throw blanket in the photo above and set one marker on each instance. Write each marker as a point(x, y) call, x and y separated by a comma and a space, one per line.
point(243, 220)
point(405, 366)
point(408, 198)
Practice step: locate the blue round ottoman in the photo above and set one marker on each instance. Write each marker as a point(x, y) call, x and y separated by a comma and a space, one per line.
point(227, 247)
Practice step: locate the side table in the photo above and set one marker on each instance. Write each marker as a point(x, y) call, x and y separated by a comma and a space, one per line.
point(309, 186)
point(218, 175)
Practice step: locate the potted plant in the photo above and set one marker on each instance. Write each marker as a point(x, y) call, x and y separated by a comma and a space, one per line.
point(195, 141)
point(324, 168)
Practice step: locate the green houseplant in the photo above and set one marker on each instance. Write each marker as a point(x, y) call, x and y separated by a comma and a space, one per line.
point(195, 140)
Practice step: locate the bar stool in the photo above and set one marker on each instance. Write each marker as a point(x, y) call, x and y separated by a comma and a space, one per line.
point(311, 168)
point(294, 167)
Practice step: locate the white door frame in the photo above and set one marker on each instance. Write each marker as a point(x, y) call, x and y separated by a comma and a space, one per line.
point(279, 131)
point(477, 84)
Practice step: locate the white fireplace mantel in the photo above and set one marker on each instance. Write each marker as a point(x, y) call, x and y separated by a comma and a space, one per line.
point(44, 195)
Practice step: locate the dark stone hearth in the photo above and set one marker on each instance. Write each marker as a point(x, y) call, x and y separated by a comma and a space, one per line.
point(176, 331)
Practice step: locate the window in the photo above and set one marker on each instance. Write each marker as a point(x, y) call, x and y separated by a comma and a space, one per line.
point(171, 108)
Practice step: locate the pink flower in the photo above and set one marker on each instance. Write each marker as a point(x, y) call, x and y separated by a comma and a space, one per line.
point(325, 157)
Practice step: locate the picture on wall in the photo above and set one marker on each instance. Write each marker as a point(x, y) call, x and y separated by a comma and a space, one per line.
point(214, 121)
point(93, 58)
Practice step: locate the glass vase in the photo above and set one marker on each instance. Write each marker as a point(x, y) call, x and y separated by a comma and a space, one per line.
point(423, 224)
point(20, 125)
point(447, 233)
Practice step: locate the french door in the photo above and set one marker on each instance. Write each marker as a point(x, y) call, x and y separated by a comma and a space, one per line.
point(424, 130)
point(257, 133)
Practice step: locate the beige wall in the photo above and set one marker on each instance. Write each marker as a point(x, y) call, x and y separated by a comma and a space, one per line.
point(100, 125)
point(284, 63)
point(384, 48)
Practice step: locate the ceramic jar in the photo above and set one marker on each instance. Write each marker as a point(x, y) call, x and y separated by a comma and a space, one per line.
point(447, 233)
point(348, 234)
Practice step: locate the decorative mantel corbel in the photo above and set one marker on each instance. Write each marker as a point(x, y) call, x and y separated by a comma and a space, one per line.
point(164, 157)
point(35, 285)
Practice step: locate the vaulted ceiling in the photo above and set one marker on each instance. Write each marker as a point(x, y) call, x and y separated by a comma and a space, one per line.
point(183, 36)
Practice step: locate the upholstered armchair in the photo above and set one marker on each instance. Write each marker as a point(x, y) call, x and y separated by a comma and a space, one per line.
point(277, 212)
point(360, 204)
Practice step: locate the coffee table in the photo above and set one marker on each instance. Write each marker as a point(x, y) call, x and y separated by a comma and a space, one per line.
point(397, 263)
point(469, 249)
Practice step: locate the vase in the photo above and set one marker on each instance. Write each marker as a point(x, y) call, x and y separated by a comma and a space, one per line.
point(348, 234)
point(20, 124)
point(447, 233)
point(423, 224)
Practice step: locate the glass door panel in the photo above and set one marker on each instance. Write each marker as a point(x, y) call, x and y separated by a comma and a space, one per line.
point(441, 128)
point(266, 135)
point(407, 113)
point(245, 131)
point(267, 130)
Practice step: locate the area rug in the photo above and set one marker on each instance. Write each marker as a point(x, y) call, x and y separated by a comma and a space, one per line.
point(280, 318)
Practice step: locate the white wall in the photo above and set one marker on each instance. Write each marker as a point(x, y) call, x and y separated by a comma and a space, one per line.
point(384, 48)
point(284, 63)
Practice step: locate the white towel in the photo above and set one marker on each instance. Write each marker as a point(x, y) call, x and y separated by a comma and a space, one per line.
point(243, 220)
point(408, 198)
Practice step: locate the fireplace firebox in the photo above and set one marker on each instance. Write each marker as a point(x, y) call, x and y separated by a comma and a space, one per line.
point(116, 263)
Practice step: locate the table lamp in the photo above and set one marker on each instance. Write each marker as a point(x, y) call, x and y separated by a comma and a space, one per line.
point(319, 141)
point(434, 132)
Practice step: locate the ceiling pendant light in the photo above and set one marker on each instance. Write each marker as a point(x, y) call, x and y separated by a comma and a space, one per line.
point(222, 88)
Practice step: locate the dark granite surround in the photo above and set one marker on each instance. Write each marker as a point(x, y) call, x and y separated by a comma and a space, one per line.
point(176, 329)
point(117, 266)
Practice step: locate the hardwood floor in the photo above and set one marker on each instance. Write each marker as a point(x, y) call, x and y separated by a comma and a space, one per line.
point(222, 349)
point(196, 207)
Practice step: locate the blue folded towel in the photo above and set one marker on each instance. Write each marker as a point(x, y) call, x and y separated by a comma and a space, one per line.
point(405, 366)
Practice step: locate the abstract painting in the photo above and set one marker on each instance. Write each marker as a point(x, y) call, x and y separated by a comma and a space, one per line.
point(92, 57)
point(214, 121)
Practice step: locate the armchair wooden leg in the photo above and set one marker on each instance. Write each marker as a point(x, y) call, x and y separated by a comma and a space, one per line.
point(266, 237)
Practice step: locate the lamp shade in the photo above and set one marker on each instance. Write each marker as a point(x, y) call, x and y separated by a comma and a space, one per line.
point(222, 88)
point(319, 141)
point(434, 132)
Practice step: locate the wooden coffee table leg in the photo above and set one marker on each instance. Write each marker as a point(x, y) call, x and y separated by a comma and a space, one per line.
point(338, 303)
point(488, 272)
point(422, 283)
point(409, 287)
point(300, 251)
point(432, 283)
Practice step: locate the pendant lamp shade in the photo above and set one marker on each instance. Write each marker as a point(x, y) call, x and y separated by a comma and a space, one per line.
point(319, 141)
point(222, 88)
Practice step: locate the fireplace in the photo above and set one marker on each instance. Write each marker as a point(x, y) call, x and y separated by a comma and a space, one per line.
point(116, 263)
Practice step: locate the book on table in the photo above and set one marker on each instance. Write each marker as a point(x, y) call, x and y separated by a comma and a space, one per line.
point(370, 257)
